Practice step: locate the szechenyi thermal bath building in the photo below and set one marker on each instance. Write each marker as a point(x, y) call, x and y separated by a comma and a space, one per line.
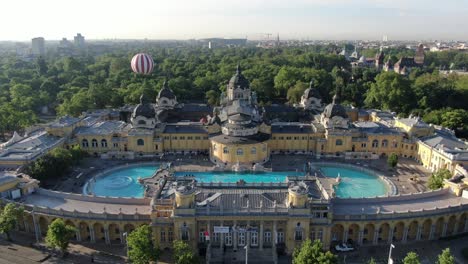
point(270, 216)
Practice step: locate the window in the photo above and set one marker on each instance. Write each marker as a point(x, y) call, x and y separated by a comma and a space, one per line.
point(394, 144)
point(205, 138)
point(254, 239)
point(156, 147)
point(84, 143)
point(170, 235)
point(141, 122)
point(375, 143)
point(240, 152)
point(304, 138)
point(116, 145)
point(166, 137)
point(140, 142)
point(339, 142)
point(189, 138)
point(163, 236)
point(267, 237)
point(322, 147)
point(201, 236)
point(253, 150)
point(185, 234)
point(174, 138)
point(241, 239)
point(296, 138)
point(281, 237)
point(94, 143)
point(384, 143)
point(214, 147)
point(363, 145)
point(274, 138)
point(288, 138)
point(182, 138)
point(225, 150)
point(228, 239)
point(298, 232)
point(264, 148)
point(197, 138)
point(104, 143)
point(216, 237)
point(281, 138)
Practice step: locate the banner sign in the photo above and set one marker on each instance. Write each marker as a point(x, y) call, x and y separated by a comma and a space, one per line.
point(221, 229)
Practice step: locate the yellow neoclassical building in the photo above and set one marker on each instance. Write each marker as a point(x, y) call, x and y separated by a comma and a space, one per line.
point(239, 135)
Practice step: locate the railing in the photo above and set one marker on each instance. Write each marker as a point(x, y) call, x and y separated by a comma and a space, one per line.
point(241, 210)
point(242, 185)
point(403, 214)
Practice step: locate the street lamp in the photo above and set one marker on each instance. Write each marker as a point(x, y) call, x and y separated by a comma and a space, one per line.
point(390, 260)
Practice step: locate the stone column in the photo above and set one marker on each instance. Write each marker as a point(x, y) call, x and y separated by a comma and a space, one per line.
point(26, 225)
point(444, 230)
point(390, 235)
point(106, 235)
point(455, 229)
point(37, 228)
point(122, 238)
point(360, 237)
point(260, 236)
point(221, 237)
point(466, 226)
point(432, 232)
point(92, 235)
point(275, 238)
point(234, 236)
point(375, 239)
point(345, 235)
point(405, 234)
point(78, 235)
point(419, 232)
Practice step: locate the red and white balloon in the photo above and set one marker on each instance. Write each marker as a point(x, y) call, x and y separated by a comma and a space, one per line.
point(142, 63)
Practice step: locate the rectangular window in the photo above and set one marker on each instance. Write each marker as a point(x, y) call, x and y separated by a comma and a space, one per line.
point(296, 138)
point(175, 138)
point(363, 145)
point(166, 137)
point(267, 237)
point(205, 138)
point(228, 239)
point(288, 138)
point(201, 237)
point(274, 138)
point(281, 138)
point(216, 237)
point(116, 145)
point(170, 236)
point(185, 234)
point(241, 239)
point(280, 237)
point(190, 138)
point(304, 138)
point(298, 235)
point(163, 236)
point(254, 239)
point(182, 137)
point(197, 138)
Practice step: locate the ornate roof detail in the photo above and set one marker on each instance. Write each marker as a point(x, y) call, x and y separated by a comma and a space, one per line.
point(144, 108)
point(238, 80)
point(311, 91)
point(335, 108)
point(166, 92)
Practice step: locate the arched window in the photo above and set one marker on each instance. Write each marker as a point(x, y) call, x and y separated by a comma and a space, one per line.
point(253, 150)
point(84, 143)
point(375, 143)
point(394, 144)
point(104, 143)
point(140, 142)
point(240, 152)
point(339, 142)
point(141, 122)
point(225, 150)
point(94, 143)
point(384, 143)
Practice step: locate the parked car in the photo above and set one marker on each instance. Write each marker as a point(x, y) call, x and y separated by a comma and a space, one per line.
point(343, 247)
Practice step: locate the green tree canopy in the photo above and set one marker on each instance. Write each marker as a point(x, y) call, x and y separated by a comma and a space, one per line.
point(9, 216)
point(411, 258)
point(445, 257)
point(313, 253)
point(183, 253)
point(59, 235)
point(141, 249)
point(392, 160)
point(436, 181)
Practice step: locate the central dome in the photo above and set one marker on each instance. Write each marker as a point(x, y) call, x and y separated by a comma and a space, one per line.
point(238, 80)
point(144, 108)
point(335, 109)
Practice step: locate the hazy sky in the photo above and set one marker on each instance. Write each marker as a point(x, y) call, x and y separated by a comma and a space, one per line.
point(183, 19)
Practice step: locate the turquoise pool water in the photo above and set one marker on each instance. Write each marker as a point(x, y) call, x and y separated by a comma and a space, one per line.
point(355, 184)
point(124, 182)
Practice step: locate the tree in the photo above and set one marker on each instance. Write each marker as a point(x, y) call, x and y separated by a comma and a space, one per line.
point(141, 249)
point(59, 234)
point(8, 218)
point(436, 181)
point(372, 261)
point(411, 258)
point(312, 253)
point(446, 257)
point(392, 160)
point(183, 254)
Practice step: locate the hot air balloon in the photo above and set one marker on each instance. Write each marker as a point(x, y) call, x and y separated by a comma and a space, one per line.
point(142, 63)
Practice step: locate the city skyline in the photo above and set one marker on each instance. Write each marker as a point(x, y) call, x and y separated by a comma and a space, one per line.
point(298, 19)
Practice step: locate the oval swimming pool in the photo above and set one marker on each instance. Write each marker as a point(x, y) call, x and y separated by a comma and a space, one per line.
point(123, 182)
